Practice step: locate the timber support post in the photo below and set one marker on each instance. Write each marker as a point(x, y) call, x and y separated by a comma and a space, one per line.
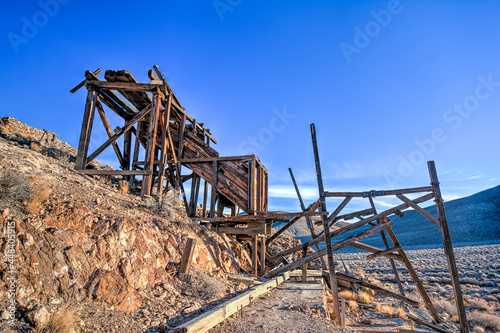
point(331, 264)
point(448, 248)
point(88, 120)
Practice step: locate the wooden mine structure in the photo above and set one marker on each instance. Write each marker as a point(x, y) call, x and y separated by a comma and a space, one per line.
point(169, 139)
point(158, 128)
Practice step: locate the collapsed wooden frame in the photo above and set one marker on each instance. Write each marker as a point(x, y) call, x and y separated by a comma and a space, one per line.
point(168, 139)
point(378, 222)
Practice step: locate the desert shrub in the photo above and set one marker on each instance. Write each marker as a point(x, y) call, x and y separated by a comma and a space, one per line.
point(39, 194)
point(364, 298)
point(389, 310)
point(353, 304)
point(169, 205)
point(62, 157)
point(36, 147)
point(62, 321)
point(485, 320)
point(400, 313)
point(14, 185)
point(445, 307)
point(477, 329)
point(206, 286)
point(347, 295)
point(123, 185)
point(480, 304)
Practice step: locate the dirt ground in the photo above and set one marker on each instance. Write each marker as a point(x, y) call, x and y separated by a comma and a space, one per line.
point(292, 307)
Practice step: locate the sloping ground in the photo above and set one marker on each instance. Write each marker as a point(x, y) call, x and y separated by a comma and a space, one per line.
point(82, 240)
point(291, 307)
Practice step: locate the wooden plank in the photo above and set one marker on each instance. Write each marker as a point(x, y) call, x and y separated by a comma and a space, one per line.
point(255, 255)
point(213, 317)
point(251, 186)
point(115, 172)
point(260, 217)
point(213, 195)
point(312, 207)
point(243, 279)
point(115, 137)
point(386, 192)
point(187, 256)
point(374, 249)
point(125, 86)
point(419, 209)
point(383, 253)
point(349, 216)
point(109, 131)
point(448, 248)
point(164, 143)
point(358, 224)
point(88, 120)
point(429, 325)
point(81, 84)
point(151, 144)
point(414, 276)
point(346, 242)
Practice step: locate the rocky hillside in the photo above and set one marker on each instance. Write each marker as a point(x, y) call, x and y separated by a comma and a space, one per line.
point(86, 242)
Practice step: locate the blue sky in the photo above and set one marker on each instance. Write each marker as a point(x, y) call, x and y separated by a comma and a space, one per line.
point(389, 84)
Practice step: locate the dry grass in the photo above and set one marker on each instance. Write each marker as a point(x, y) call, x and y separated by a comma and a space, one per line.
point(62, 321)
point(4, 129)
point(364, 298)
point(361, 297)
point(36, 147)
point(14, 186)
point(62, 157)
point(400, 313)
point(485, 320)
point(39, 194)
point(480, 304)
point(206, 286)
point(389, 310)
point(124, 186)
point(353, 305)
point(477, 329)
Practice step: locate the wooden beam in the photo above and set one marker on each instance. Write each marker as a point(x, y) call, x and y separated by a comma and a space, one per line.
point(115, 137)
point(109, 131)
point(337, 246)
point(164, 143)
point(209, 319)
point(255, 256)
point(419, 209)
point(151, 145)
point(115, 172)
point(414, 276)
point(383, 253)
point(81, 84)
point(312, 207)
point(213, 196)
point(187, 256)
point(448, 248)
point(125, 86)
point(260, 217)
point(88, 120)
point(429, 325)
point(379, 193)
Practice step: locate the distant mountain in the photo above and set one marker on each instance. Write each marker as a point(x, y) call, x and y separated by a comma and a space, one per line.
point(472, 220)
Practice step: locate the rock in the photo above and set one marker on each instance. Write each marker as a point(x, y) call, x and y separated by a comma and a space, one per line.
point(5, 212)
point(110, 287)
point(37, 316)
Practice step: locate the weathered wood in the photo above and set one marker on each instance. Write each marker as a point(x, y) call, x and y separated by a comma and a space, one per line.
point(164, 141)
point(386, 192)
point(187, 256)
point(374, 249)
point(255, 255)
point(125, 86)
point(213, 317)
point(334, 247)
point(115, 172)
point(429, 325)
point(249, 218)
point(243, 279)
point(312, 207)
point(109, 131)
point(414, 276)
point(213, 196)
point(448, 248)
point(81, 84)
point(419, 209)
point(151, 143)
point(383, 253)
point(115, 137)
point(363, 222)
point(262, 255)
point(88, 120)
